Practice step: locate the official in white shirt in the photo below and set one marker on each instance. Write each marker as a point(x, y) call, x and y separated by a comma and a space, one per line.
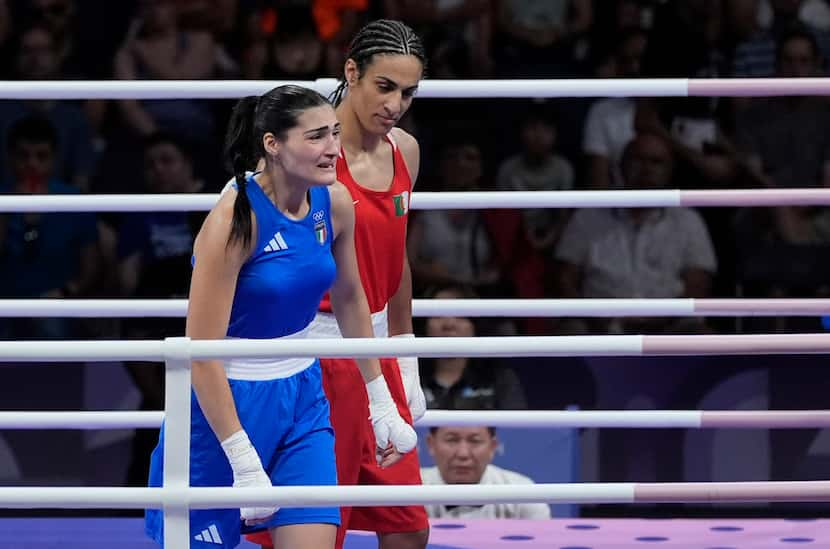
point(463, 455)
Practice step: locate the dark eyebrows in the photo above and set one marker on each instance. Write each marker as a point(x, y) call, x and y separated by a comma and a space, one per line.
point(322, 129)
point(392, 84)
point(388, 81)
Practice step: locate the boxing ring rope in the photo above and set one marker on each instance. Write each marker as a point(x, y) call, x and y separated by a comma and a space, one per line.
point(575, 419)
point(472, 200)
point(466, 89)
point(174, 308)
point(507, 346)
point(325, 496)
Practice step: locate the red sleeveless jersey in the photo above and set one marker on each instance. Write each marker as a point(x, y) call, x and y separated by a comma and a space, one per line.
point(379, 232)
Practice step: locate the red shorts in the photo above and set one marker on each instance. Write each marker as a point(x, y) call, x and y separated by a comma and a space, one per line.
point(354, 445)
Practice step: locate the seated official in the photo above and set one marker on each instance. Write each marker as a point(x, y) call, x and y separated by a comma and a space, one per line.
point(463, 456)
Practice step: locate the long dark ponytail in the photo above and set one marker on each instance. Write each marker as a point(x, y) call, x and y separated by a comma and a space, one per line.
point(238, 156)
point(381, 37)
point(274, 112)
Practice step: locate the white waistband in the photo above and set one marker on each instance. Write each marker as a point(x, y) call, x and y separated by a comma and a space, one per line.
point(263, 369)
point(324, 325)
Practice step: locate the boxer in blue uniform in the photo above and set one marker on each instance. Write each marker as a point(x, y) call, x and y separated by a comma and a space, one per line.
point(263, 259)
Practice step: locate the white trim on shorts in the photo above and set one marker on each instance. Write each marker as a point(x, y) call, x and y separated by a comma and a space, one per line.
point(324, 325)
point(263, 369)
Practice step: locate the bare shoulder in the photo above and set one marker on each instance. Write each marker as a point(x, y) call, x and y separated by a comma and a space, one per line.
point(340, 195)
point(406, 142)
point(218, 222)
point(216, 229)
point(410, 149)
point(342, 207)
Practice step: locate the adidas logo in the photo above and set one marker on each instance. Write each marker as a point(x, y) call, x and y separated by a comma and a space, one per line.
point(209, 535)
point(276, 244)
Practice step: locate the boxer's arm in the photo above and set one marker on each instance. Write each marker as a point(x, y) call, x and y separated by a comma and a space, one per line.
point(400, 306)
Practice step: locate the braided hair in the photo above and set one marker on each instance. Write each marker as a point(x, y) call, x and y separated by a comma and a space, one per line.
point(381, 37)
point(274, 112)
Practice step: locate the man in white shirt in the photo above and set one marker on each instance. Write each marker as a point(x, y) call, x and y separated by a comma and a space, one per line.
point(609, 124)
point(463, 455)
point(638, 252)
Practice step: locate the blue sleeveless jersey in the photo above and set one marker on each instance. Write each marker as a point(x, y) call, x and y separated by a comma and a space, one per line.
point(281, 284)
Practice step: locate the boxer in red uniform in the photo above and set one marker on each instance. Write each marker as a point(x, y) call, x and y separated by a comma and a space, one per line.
point(378, 164)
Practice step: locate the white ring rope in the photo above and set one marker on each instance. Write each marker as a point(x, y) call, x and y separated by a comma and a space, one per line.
point(513, 346)
point(173, 308)
point(309, 496)
point(575, 419)
point(614, 87)
point(326, 496)
point(468, 200)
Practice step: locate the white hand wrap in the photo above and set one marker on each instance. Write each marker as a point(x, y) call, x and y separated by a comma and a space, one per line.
point(387, 423)
point(411, 378)
point(247, 471)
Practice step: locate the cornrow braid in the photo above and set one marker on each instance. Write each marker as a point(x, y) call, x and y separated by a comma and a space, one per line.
point(381, 37)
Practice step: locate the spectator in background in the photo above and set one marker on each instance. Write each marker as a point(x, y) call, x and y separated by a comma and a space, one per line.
point(538, 167)
point(638, 252)
point(753, 47)
point(297, 52)
point(458, 33)
point(52, 255)
point(609, 125)
point(219, 18)
point(154, 252)
point(337, 23)
point(216, 16)
point(785, 140)
point(453, 246)
point(816, 13)
point(294, 51)
point(333, 23)
point(463, 455)
point(523, 239)
point(790, 14)
point(705, 156)
point(37, 59)
point(462, 383)
point(156, 48)
point(756, 26)
point(687, 42)
point(618, 52)
point(155, 247)
point(61, 18)
point(537, 39)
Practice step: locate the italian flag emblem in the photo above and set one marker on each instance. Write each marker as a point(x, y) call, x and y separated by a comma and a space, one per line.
point(401, 203)
point(320, 232)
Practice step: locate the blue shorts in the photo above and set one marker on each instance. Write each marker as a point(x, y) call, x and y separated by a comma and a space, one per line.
point(287, 421)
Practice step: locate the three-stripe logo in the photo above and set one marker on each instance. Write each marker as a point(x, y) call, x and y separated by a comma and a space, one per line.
point(209, 535)
point(277, 243)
